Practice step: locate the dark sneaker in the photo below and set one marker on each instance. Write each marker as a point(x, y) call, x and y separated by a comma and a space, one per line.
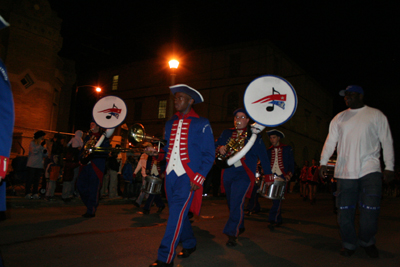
point(232, 241)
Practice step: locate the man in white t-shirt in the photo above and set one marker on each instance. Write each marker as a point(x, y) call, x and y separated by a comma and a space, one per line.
point(359, 133)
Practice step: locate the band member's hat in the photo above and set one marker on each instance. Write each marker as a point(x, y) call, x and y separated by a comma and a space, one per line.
point(3, 23)
point(352, 88)
point(39, 134)
point(183, 88)
point(240, 110)
point(276, 132)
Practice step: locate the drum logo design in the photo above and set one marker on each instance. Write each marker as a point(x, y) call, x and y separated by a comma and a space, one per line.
point(112, 112)
point(109, 112)
point(274, 99)
point(270, 100)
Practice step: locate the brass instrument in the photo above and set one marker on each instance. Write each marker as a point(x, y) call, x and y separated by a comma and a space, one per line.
point(233, 146)
point(136, 135)
point(89, 145)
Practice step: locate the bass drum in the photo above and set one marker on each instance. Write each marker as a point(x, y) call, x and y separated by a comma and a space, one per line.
point(152, 185)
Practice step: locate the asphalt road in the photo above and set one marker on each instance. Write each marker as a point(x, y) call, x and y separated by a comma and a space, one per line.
point(39, 233)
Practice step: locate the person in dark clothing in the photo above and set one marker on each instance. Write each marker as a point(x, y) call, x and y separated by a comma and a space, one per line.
point(127, 174)
point(111, 176)
point(70, 164)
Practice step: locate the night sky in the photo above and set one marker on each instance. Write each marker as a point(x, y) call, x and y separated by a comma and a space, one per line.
point(336, 43)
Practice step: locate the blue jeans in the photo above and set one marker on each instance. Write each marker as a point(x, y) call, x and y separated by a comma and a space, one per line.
point(366, 192)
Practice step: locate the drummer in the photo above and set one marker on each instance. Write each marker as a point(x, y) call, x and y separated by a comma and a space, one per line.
point(282, 165)
point(154, 168)
point(238, 180)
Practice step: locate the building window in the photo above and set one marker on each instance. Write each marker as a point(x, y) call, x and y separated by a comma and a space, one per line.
point(27, 81)
point(137, 115)
point(234, 65)
point(115, 82)
point(162, 109)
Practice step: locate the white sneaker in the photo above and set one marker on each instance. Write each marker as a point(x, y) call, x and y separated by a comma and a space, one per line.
point(36, 196)
point(28, 196)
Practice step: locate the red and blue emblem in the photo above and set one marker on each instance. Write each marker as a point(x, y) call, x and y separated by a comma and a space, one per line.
point(274, 99)
point(109, 112)
point(114, 111)
point(264, 94)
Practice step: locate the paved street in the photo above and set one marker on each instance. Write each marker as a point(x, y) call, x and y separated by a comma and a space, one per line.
point(39, 233)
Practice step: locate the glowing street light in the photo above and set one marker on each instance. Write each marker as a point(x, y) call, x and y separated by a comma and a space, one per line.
point(173, 65)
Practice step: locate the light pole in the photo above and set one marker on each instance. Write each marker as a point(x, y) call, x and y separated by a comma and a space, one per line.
point(98, 90)
point(173, 65)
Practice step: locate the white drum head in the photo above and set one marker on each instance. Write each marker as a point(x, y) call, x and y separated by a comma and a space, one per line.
point(109, 112)
point(270, 100)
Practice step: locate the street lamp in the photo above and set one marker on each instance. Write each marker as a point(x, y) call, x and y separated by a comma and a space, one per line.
point(97, 89)
point(173, 65)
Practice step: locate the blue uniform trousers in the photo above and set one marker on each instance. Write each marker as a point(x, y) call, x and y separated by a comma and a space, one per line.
point(254, 204)
point(89, 186)
point(178, 229)
point(236, 183)
point(367, 192)
point(275, 214)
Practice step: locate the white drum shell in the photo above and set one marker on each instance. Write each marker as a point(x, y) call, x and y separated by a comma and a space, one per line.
point(273, 191)
point(152, 185)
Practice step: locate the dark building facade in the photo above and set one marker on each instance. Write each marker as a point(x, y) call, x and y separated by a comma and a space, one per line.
point(41, 81)
point(222, 75)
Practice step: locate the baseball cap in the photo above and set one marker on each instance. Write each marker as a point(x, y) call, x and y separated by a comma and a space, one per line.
point(352, 88)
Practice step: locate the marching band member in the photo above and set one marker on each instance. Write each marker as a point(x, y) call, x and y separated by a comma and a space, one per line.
point(155, 169)
point(238, 180)
point(6, 126)
point(190, 155)
point(91, 172)
point(282, 165)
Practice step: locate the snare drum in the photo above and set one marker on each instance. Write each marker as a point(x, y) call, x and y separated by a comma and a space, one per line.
point(152, 185)
point(273, 191)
